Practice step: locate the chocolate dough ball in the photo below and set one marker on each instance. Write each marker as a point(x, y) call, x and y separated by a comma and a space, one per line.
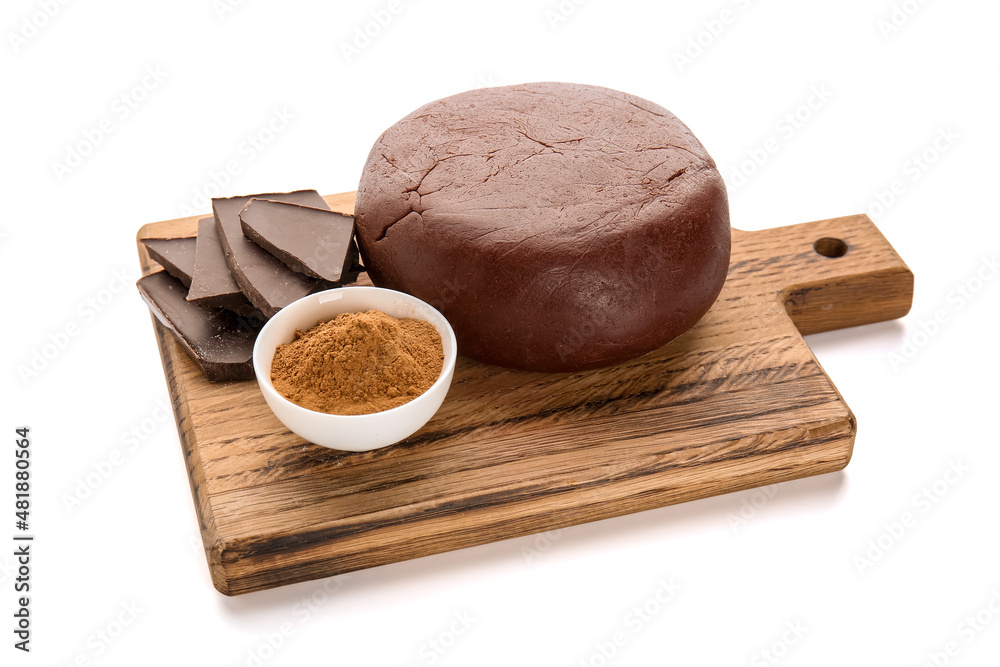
point(558, 227)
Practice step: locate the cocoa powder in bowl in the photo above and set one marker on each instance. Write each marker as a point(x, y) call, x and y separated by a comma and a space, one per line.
point(358, 363)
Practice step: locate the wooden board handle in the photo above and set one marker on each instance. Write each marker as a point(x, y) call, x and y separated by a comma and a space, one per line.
point(829, 274)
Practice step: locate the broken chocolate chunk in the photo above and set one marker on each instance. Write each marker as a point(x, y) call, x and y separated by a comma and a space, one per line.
point(219, 341)
point(212, 283)
point(174, 255)
point(313, 241)
point(264, 279)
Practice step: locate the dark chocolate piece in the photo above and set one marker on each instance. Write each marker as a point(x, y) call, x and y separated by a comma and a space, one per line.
point(313, 241)
point(558, 227)
point(219, 341)
point(212, 283)
point(174, 255)
point(266, 281)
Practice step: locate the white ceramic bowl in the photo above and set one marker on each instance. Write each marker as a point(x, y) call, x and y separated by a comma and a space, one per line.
point(356, 433)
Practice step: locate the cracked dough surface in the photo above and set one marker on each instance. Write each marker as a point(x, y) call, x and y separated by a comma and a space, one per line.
point(558, 227)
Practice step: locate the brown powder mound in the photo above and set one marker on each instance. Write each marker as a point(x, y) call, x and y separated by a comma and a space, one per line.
point(358, 363)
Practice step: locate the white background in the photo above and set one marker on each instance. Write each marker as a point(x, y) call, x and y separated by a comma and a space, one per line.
point(884, 80)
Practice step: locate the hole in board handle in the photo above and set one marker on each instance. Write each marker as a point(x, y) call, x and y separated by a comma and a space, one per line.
point(830, 247)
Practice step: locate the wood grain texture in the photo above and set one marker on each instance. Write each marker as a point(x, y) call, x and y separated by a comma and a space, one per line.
point(736, 402)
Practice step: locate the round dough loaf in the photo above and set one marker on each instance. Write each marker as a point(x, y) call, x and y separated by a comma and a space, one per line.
point(558, 227)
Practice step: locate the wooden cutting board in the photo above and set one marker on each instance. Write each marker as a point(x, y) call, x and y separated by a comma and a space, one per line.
point(736, 402)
